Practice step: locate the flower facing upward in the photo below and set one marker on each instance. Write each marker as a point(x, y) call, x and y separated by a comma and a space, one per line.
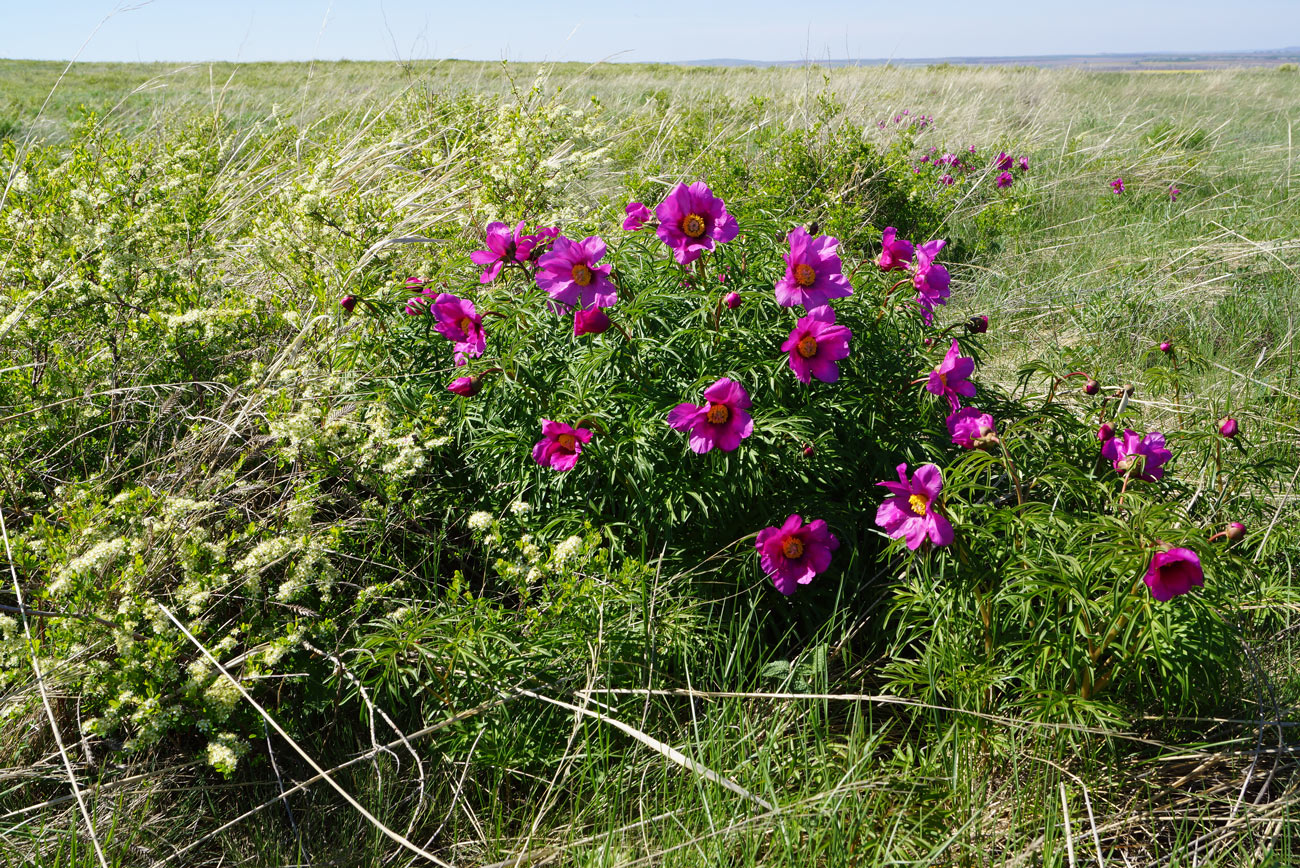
point(560, 445)
point(1005, 161)
point(895, 252)
point(732, 300)
point(1144, 457)
point(950, 378)
point(909, 514)
point(972, 429)
point(813, 272)
point(930, 279)
point(693, 220)
point(721, 421)
point(1173, 572)
point(795, 552)
point(815, 346)
point(569, 274)
point(593, 321)
point(457, 321)
point(503, 245)
point(1117, 185)
point(637, 216)
point(1228, 427)
point(1004, 180)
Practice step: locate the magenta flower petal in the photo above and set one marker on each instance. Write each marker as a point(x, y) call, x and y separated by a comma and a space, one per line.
point(794, 553)
point(560, 445)
point(1173, 573)
point(895, 252)
point(693, 220)
point(815, 346)
point(570, 275)
point(909, 514)
point(814, 273)
point(971, 428)
point(1143, 456)
point(720, 422)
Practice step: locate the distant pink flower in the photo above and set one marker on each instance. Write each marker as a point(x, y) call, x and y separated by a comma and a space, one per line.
point(1143, 456)
point(925, 158)
point(1004, 180)
point(592, 321)
point(637, 216)
point(795, 552)
point(910, 514)
point(1005, 161)
point(693, 220)
point(1173, 572)
point(569, 274)
point(946, 180)
point(503, 245)
point(1117, 185)
point(1166, 346)
point(815, 346)
point(972, 429)
point(457, 321)
point(721, 421)
point(1023, 163)
point(895, 252)
point(466, 387)
point(930, 279)
point(731, 300)
point(950, 378)
point(1174, 193)
point(813, 272)
point(560, 445)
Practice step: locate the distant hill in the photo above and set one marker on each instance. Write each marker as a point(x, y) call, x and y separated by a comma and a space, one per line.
point(1120, 62)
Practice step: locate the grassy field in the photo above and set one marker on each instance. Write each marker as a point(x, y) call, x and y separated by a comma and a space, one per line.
point(184, 402)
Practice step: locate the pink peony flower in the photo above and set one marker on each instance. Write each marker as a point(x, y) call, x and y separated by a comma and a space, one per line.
point(931, 280)
point(721, 421)
point(637, 216)
point(1166, 346)
point(503, 245)
point(1143, 456)
point(950, 378)
point(457, 321)
point(1004, 180)
point(1105, 432)
point(947, 180)
point(348, 302)
point(910, 514)
point(542, 237)
point(795, 552)
point(560, 445)
point(1228, 427)
point(1023, 163)
point(593, 321)
point(1005, 161)
point(569, 274)
point(731, 300)
point(972, 429)
point(1117, 185)
point(813, 272)
point(418, 305)
point(466, 387)
point(895, 253)
point(815, 346)
point(1173, 572)
point(693, 220)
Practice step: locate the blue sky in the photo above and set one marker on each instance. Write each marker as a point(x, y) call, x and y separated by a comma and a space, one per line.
point(589, 30)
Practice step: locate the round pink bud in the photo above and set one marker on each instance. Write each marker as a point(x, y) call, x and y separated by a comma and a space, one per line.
point(466, 387)
point(348, 302)
point(592, 321)
point(1228, 427)
point(977, 325)
point(1091, 386)
point(1166, 346)
point(1105, 432)
point(929, 342)
point(808, 450)
point(1235, 531)
point(732, 300)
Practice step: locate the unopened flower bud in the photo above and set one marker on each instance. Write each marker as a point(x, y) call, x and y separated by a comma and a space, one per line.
point(1105, 432)
point(466, 387)
point(348, 302)
point(977, 325)
point(1235, 531)
point(929, 342)
point(732, 300)
point(1166, 346)
point(1228, 427)
point(1091, 386)
point(808, 450)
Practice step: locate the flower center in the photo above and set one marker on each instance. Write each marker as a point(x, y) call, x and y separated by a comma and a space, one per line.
point(792, 547)
point(567, 442)
point(918, 503)
point(466, 325)
point(693, 225)
point(807, 346)
point(804, 275)
point(943, 378)
point(581, 274)
point(718, 413)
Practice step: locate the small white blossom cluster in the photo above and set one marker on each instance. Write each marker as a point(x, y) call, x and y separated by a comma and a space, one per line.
point(567, 550)
point(93, 562)
point(480, 522)
point(224, 752)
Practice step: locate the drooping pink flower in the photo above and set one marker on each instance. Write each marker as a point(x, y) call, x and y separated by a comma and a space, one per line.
point(1173, 572)
point(569, 274)
point(419, 304)
point(560, 445)
point(1023, 163)
point(950, 378)
point(731, 300)
point(813, 272)
point(895, 253)
point(1004, 180)
point(1117, 185)
point(1005, 161)
point(466, 387)
point(721, 421)
point(1143, 456)
point(457, 321)
point(909, 514)
point(977, 325)
point(503, 245)
point(693, 220)
point(592, 321)
point(637, 216)
point(348, 302)
point(930, 279)
point(795, 552)
point(1228, 427)
point(1174, 193)
point(972, 429)
point(815, 346)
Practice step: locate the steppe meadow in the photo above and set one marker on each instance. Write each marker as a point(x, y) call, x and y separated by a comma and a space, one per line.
point(505, 464)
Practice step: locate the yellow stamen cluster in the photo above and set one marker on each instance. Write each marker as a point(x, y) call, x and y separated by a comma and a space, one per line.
point(581, 274)
point(918, 503)
point(718, 413)
point(567, 442)
point(693, 225)
point(792, 547)
point(807, 346)
point(804, 275)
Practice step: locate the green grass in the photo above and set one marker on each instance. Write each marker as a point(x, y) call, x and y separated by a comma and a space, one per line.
point(827, 766)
